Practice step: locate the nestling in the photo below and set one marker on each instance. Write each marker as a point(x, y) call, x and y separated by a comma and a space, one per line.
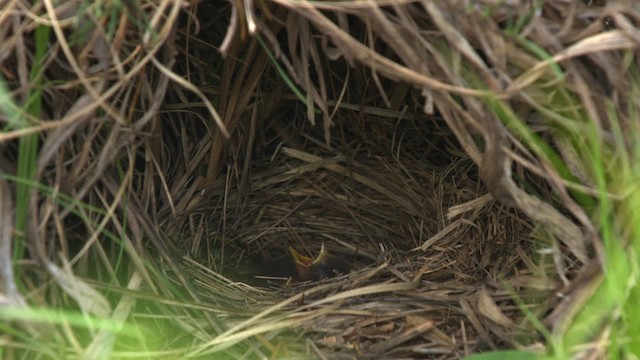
point(323, 266)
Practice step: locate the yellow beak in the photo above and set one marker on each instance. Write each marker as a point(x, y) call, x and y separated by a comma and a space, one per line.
point(308, 268)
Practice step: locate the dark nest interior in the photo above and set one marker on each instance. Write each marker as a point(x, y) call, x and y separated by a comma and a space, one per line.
point(286, 180)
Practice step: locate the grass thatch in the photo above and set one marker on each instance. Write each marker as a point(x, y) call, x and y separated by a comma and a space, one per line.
point(474, 162)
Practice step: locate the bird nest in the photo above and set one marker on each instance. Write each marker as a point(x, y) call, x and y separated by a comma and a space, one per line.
point(285, 179)
point(431, 265)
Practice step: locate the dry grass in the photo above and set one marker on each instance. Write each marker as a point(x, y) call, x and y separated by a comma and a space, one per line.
point(159, 159)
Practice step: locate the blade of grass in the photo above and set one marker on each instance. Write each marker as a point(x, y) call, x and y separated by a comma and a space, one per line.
point(283, 74)
point(28, 145)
